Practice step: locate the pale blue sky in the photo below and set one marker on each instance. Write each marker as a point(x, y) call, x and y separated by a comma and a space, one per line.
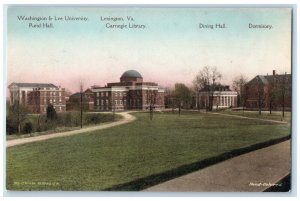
point(171, 49)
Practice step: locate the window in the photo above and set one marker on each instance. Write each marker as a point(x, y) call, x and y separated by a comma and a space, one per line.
point(106, 93)
point(59, 94)
point(97, 94)
point(101, 102)
point(98, 102)
point(121, 102)
point(116, 102)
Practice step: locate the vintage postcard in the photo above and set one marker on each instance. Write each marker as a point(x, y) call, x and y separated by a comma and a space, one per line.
point(148, 98)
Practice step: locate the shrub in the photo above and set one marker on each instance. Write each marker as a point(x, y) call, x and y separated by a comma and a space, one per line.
point(11, 128)
point(27, 127)
point(92, 119)
point(51, 113)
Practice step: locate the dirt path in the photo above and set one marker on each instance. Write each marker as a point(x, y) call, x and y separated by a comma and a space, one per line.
point(126, 119)
point(242, 117)
point(252, 172)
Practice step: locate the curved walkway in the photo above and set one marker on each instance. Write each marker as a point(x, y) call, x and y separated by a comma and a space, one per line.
point(126, 119)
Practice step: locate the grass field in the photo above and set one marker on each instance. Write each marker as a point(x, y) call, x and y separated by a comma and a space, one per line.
point(275, 115)
point(102, 159)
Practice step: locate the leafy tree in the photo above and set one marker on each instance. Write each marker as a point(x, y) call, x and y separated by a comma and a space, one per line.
point(51, 113)
point(17, 114)
point(11, 128)
point(170, 98)
point(28, 127)
point(183, 96)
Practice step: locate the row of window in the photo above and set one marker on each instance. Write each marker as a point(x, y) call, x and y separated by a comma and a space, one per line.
point(119, 93)
point(106, 94)
point(52, 101)
point(119, 102)
point(48, 93)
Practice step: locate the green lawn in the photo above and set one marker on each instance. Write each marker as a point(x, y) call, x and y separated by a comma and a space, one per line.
point(275, 115)
point(102, 159)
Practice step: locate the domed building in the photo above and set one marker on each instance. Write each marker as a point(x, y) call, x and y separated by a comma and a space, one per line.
point(131, 93)
point(131, 76)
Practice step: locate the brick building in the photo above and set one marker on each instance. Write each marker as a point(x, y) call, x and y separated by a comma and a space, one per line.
point(217, 97)
point(131, 93)
point(37, 96)
point(269, 92)
point(73, 103)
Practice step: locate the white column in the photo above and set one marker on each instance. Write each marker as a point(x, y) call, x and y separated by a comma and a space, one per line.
point(228, 101)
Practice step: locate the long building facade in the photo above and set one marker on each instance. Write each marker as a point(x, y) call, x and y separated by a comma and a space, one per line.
point(131, 93)
point(37, 96)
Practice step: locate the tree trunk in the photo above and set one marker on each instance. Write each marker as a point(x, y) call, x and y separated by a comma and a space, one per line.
point(81, 109)
point(19, 128)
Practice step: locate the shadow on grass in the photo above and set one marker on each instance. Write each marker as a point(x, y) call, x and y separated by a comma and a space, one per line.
point(155, 179)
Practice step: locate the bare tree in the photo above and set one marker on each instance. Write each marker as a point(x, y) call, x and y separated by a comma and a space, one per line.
point(284, 90)
point(271, 94)
point(37, 108)
point(81, 102)
point(198, 84)
point(112, 104)
point(238, 84)
point(151, 96)
point(260, 94)
point(207, 77)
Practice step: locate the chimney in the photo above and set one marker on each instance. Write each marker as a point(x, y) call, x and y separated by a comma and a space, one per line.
point(274, 72)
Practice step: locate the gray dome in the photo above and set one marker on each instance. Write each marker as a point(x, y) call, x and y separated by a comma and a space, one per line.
point(131, 73)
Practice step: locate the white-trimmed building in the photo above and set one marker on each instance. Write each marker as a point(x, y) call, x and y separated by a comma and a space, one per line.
point(219, 96)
